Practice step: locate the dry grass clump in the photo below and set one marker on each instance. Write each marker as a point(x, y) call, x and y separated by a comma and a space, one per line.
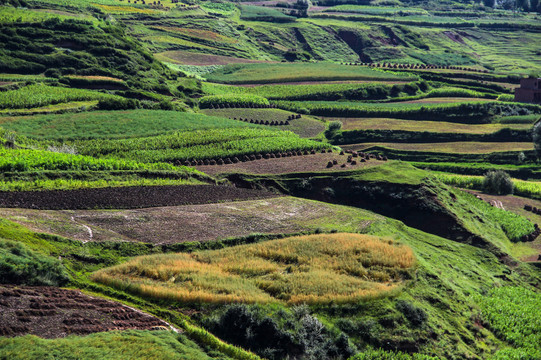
point(312, 269)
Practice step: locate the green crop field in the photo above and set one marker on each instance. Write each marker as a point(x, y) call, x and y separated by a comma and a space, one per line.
point(201, 144)
point(40, 95)
point(118, 124)
point(276, 73)
point(150, 161)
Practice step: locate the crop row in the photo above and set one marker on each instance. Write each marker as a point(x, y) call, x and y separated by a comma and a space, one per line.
point(516, 227)
point(35, 160)
point(464, 112)
point(236, 100)
point(201, 144)
point(40, 95)
point(513, 314)
point(529, 189)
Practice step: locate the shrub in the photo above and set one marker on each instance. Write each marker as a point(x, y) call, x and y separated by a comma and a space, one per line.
point(416, 316)
point(537, 137)
point(296, 334)
point(22, 266)
point(497, 182)
point(333, 129)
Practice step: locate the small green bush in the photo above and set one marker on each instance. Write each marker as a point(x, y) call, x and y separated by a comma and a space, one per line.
point(416, 316)
point(22, 266)
point(497, 182)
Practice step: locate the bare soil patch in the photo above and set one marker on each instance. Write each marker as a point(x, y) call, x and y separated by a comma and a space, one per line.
point(126, 197)
point(192, 58)
point(308, 163)
point(208, 222)
point(51, 312)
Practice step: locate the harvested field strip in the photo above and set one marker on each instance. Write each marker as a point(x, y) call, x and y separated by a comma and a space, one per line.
point(127, 197)
point(51, 312)
point(314, 269)
point(199, 59)
point(313, 163)
point(451, 147)
point(418, 125)
point(197, 33)
point(178, 224)
point(306, 126)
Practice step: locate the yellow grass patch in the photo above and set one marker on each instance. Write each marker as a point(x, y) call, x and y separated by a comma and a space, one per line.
point(313, 269)
point(94, 77)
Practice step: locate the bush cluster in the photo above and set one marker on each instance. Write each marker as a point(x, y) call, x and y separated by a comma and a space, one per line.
point(295, 335)
point(22, 266)
point(498, 182)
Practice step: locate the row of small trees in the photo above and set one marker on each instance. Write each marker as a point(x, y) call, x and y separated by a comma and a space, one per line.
point(525, 5)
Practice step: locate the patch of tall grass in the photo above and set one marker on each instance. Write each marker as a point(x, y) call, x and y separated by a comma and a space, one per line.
point(529, 189)
point(314, 269)
point(125, 345)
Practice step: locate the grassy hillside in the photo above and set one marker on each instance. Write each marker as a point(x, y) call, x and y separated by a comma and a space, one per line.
point(338, 134)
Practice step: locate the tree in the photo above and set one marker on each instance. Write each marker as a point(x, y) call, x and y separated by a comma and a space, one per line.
point(497, 182)
point(523, 4)
point(489, 3)
point(333, 129)
point(537, 138)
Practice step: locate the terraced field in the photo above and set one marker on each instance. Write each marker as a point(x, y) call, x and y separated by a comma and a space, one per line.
point(188, 223)
point(50, 312)
point(451, 147)
point(416, 125)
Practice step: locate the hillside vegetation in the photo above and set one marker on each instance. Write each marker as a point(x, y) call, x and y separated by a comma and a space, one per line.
point(302, 180)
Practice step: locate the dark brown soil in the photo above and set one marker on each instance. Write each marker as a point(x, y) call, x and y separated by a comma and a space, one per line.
point(51, 312)
point(127, 197)
point(306, 163)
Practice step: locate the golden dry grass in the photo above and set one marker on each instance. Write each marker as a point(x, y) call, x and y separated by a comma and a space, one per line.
point(313, 269)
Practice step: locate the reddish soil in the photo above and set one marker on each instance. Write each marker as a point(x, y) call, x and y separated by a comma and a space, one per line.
point(454, 37)
point(307, 163)
point(51, 312)
point(127, 197)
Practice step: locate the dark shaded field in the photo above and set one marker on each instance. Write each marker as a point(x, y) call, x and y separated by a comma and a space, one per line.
point(127, 197)
point(51, 312)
